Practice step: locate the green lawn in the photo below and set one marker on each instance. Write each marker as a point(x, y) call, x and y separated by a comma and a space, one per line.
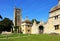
point(41, 37)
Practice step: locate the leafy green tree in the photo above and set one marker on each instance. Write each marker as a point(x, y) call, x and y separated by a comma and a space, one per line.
point(35, 20)
point(1, 25)
point(6, 24)
point(1, 17)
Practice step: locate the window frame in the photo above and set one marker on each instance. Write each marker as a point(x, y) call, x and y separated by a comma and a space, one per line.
point(56, 17)
point(56, 27)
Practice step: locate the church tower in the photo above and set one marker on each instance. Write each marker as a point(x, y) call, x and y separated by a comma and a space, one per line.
point(17, 17)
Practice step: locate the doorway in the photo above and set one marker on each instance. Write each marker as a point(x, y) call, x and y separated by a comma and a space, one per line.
point(41, 29)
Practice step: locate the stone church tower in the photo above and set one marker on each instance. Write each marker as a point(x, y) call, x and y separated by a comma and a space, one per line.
point(17, 17)
point(17, 20)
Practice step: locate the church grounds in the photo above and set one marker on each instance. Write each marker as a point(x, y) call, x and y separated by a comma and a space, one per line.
point(28, 37)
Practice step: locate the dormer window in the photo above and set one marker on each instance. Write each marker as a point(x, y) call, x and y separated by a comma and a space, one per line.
point(56, 17)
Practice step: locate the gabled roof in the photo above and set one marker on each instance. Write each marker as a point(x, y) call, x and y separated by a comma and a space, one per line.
point(55, 8)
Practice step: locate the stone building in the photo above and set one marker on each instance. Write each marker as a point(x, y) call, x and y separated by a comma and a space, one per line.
point(37, 28)
point(51, 26)
point(17, 19)
point(26, 26)
point(53, 23)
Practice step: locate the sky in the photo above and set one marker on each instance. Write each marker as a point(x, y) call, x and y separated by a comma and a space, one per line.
point(34, 9)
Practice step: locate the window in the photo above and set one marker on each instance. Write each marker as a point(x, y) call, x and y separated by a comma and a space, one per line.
point(56, 27)
point(56, 17)
point(28, 30)
point(28, 25)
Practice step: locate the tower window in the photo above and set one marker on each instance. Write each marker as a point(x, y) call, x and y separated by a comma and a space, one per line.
point(56, 27)
point(56, 17)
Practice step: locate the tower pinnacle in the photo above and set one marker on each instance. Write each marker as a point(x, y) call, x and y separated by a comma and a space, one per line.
point(26, 17)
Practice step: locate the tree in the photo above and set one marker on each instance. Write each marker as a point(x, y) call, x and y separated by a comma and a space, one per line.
point(7, 24)
point(35, 20)
point(0, 17)
point(1, 26)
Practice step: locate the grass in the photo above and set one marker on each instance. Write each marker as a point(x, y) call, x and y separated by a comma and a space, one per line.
point(12, 35)
point(40, 37)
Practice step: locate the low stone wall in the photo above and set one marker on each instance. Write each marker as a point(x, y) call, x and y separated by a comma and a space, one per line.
point(5, 32)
